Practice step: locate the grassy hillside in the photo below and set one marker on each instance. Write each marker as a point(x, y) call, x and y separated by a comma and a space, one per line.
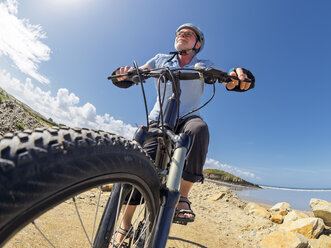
point(226, 177)
point(4, 96)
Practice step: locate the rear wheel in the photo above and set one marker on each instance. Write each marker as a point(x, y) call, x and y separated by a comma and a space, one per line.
point(42, 169)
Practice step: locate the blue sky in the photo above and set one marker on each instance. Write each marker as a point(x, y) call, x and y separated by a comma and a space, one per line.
point(56, 55)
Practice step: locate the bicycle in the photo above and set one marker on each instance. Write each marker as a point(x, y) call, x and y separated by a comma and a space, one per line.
point(42, 168)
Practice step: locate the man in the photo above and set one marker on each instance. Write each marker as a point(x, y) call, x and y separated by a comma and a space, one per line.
point(189, 41)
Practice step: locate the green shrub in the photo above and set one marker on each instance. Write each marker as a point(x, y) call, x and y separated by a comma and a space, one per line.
point(20, 126)
point(223, 174)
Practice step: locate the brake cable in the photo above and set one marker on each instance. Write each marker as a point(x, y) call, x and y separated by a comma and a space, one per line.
point(203, 104)
point(161, 102)
point(177, 97)
point(143, 90)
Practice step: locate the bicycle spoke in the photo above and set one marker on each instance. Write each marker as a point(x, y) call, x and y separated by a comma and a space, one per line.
point(33, 223)
point(134, 225)
point(95, 216)
point(81, 222)
point(138, 235)
point(126, 207)
point(149, 237)
point(144, 228)
point(117, 213)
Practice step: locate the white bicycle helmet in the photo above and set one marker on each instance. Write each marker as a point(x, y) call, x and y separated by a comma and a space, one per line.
point(197, 31)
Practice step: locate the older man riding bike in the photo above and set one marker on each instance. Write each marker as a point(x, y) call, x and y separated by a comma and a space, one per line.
point(189, 41)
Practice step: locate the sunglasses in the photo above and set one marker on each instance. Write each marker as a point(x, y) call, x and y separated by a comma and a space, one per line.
point(186, 34)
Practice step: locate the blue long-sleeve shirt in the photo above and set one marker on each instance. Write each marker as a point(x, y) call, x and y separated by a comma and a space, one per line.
point(191, 90)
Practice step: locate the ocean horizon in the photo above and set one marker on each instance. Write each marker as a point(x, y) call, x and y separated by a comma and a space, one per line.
point(294, 189)
point(298, 198)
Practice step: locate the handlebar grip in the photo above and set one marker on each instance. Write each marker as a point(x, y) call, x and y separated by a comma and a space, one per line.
point(188, 75)
point(121, 84)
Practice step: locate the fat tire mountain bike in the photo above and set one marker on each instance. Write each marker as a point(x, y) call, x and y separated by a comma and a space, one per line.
point(40, 169)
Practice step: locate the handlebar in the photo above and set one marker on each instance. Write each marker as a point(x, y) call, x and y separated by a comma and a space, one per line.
point(208, 74)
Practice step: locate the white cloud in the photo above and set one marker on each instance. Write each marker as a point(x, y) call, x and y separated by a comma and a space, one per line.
point(63, 108)
point(214, 164)
point(20, 41)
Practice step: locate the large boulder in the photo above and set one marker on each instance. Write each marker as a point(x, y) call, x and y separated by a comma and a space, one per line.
point(321, 209)
point(323, 242)
point(284, 239)
point(294, 215)
point(260, 211)
point(257, 210)
point(311, 228)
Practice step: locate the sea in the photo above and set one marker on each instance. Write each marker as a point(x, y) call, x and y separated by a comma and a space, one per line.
point(298, 198)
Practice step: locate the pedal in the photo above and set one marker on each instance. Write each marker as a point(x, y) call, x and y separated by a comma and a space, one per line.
point(184, 223)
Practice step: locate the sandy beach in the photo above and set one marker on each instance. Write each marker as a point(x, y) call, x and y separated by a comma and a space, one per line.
point(219, 223)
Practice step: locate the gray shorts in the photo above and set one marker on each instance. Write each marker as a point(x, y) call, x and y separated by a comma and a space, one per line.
point(198, 131)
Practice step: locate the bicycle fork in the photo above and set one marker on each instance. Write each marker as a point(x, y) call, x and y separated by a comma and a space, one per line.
point(170, 194)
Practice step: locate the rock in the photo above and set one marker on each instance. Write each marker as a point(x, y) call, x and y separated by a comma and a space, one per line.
point(321, 209)
point(107, 187)
point(311, 228)
point(281, 208)
point(256, 209)
point(251, 206)
point(284, 239)
point(283, 212)
point(218, 196)
point(294, 215)
point(323, 242)
point(277, 218)
point(260, 211)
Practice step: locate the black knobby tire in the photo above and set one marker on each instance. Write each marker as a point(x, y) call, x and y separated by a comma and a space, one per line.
point(41, 169)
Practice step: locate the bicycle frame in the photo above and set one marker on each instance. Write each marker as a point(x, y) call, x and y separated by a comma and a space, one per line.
point(170, 191)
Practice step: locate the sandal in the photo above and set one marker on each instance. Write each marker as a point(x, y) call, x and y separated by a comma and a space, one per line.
point(121, 244)
point(183, 220)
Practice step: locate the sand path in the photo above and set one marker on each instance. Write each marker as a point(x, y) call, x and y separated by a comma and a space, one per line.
point(222, 223)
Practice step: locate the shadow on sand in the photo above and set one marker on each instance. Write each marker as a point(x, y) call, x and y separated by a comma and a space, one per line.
point(186, 241)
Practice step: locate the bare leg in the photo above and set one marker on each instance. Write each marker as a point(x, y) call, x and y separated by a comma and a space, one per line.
point(185, 187)
point(125, 225)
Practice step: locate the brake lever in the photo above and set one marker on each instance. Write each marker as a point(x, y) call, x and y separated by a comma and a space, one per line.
point(128, 74)
point(247, 80)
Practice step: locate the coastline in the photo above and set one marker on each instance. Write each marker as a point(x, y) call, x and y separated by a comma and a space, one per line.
point(228, 184)
point(298, 198)
point(294, 189)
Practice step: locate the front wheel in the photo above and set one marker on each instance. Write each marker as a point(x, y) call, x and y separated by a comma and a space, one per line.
point(42, 169)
